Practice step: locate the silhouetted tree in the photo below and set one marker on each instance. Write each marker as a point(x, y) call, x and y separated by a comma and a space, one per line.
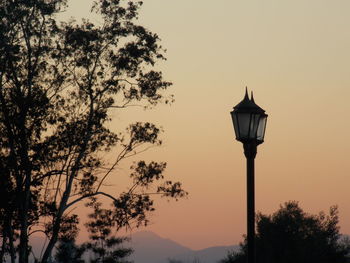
point(105, 247)
point(196, 260)
point(67, 249)
point(174, 261)
point(59, 83)
point(290, 235)
point(68, 252)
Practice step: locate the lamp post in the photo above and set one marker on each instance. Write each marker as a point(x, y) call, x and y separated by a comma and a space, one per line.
point(249, 122)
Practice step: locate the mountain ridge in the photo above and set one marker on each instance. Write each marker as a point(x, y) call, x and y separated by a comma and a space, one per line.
point(149, 247)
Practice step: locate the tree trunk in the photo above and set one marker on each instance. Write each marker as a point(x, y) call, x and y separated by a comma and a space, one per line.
point(23, 241)
point(3, 246)
point(66, 194)
point(52, 242)
point(23, 213)
point(12, 248)
point(58, 219)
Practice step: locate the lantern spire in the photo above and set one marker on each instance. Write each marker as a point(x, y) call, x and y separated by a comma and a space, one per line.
point(252, 97)
point(246, 93)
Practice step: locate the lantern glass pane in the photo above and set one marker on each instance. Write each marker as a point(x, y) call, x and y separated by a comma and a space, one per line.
point(254, 123)
point(261, 128)
point(235, 124)
point(243, 122)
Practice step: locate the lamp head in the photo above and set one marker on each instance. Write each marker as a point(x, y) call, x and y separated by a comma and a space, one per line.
point(249, 121)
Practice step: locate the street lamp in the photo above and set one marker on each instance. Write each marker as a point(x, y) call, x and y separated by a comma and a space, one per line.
point(249, 122)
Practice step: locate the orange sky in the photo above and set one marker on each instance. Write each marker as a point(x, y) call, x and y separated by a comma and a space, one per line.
point(295, 56)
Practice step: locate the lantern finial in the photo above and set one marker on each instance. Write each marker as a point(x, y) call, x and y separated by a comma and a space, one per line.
point(246, 93)
point(252, 97)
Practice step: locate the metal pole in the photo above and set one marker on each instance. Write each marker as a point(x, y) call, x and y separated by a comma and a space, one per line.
point(250, 153)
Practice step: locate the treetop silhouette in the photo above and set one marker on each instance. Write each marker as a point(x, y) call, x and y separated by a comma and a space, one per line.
point(59, 84)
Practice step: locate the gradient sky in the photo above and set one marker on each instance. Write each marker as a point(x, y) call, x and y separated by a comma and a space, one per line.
point(295, 56)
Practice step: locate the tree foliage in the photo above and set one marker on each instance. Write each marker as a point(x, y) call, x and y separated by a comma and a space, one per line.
point(69, 251)
point(291, 235)
point(105, 247)
point(59, 84)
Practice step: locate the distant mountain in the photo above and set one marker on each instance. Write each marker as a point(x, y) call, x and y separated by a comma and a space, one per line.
point(208, 255)
point(151, 248)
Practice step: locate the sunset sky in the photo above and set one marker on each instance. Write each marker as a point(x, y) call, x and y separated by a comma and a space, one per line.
point(295, 56)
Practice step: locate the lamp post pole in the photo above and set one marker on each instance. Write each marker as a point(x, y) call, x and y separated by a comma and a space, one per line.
point(249, 121)
point(250, 150)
